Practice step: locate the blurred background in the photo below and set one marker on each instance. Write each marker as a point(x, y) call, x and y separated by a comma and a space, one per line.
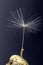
point(10, 39)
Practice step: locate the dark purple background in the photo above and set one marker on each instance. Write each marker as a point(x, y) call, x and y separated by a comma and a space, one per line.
point(10, 39)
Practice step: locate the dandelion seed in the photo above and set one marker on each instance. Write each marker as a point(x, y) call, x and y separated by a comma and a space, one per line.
point(19, 22)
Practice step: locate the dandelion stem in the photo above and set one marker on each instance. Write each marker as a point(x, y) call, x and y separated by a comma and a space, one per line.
point(22, 49)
